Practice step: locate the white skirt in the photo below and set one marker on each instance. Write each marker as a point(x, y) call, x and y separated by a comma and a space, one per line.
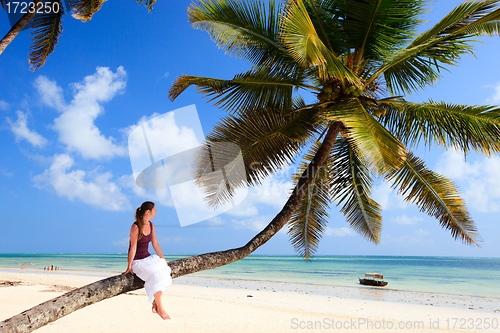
point(155, 273)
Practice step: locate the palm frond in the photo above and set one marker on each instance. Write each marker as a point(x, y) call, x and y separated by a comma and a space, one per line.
point(324, 15)
point(436, 196)
point(307, 48)
point(245, 29)
point(83, 10)
point(218, 171)
point(47, 29)
point(460, 19)
point(377, 147)
point(376, 28)
point(148, 3)
point(307, 224)
point(268, 140)
point(260, 87)
point(419, 64)
point(447, 125)
point(351, 188)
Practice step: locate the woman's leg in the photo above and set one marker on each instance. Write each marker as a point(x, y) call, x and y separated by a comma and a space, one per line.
point(159, 306)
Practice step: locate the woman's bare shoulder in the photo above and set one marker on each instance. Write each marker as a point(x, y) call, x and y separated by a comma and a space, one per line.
point(134, 227)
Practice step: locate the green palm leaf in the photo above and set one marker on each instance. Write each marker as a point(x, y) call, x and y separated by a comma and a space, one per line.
point(249, 29)
point(307, 224)
point(47, 29)
point(377, 147)
point(83, 10)
point(461, 19)
point(307, 48)
point(323, 14)
point(257, 88)
point(448, 125)
point(418, 65)
point(148, 3)
point(436, 196)
point(376, 28)
point(268, 141)
point(351, 187)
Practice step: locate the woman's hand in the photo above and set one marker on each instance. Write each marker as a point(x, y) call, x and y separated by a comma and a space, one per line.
point(129, 270)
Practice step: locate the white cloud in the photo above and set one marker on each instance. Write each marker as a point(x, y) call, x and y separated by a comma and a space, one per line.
point(452, 164)
point(418, 239)
point(75, 125)
point(216, 220)
point(480, 180)
point(405, 220)
point(387, 198)
point(22, 132)
point(50, 93)
point(165, 138)
point(4, 105)
point(272, 192)
point(495, 97)
point(421, 232)
point(339, 232)
point(98, 191)
point(161, 197)
point(257, 223)
point(6, 173)
point(124, 242)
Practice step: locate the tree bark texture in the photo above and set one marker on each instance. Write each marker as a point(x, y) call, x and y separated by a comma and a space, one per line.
point(16, 28)
point(58, 307)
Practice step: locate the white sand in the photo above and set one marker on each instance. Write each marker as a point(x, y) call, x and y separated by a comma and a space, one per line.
point(211, 305)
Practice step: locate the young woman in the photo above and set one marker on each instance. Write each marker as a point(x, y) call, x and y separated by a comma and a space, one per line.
point(152, 269)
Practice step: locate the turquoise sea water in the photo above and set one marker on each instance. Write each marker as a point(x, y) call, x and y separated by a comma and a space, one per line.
point(451, 275)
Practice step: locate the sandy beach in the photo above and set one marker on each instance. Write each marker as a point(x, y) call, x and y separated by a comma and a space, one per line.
point(219, 305)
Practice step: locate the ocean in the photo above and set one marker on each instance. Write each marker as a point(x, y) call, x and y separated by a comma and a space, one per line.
point(448, 275)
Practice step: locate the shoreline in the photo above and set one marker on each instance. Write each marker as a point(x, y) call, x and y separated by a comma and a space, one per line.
point(225, 305)
point(468, 302)
point(482, 303)
point(448, 275)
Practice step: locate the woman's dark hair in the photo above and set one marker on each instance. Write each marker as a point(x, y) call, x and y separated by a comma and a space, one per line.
point(139, 215)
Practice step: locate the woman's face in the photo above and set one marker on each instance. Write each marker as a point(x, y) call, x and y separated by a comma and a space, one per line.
point(150, 214)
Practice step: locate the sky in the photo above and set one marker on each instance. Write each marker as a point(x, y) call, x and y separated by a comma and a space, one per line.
point(67, 172)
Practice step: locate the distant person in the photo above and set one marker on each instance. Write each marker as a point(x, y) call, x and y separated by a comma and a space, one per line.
point(52, 267)
point(152, 269)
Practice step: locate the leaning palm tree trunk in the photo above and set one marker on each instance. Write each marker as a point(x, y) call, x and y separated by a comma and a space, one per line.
point(16, 28)
point(58, 307)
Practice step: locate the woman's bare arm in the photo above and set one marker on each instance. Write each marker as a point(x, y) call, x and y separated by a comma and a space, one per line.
point(134, 234)
point(155, 243)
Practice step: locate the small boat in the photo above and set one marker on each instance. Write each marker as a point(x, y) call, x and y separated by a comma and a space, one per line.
point(373, 279)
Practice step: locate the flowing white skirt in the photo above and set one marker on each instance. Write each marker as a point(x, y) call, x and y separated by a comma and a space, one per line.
point(155, 273)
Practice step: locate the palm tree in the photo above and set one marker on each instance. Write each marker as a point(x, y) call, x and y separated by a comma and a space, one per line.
point(47, 27)
point(360, 58)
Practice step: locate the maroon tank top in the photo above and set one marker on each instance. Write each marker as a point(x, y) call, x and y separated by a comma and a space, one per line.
point(143, 244)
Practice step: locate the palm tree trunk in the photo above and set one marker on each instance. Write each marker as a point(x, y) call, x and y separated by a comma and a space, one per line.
point(16, 28)
point(58, 307)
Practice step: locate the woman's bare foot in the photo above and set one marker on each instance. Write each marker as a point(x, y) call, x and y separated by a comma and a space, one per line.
point(163, 314)
point(158, 307)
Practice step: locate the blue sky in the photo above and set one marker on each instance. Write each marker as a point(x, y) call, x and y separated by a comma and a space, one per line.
point(66, 180)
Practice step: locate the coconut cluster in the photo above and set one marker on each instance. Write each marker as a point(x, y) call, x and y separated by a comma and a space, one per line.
point(336, 90)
